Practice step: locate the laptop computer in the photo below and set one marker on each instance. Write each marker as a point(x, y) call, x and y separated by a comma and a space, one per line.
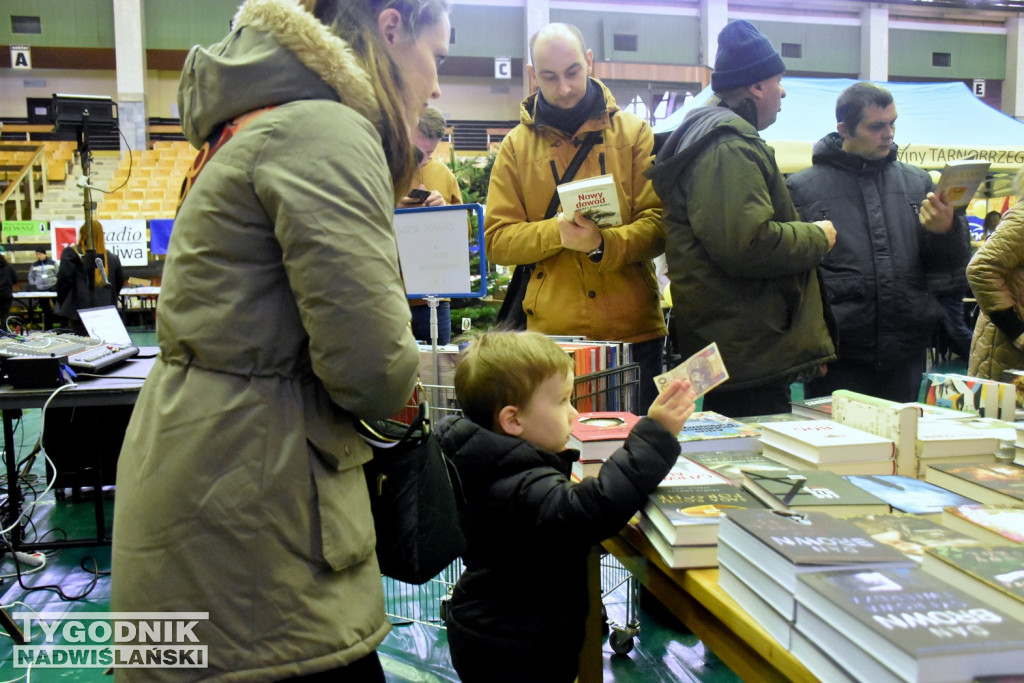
point(104, 322)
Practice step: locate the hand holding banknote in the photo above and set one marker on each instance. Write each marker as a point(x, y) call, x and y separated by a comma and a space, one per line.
point(704, 370)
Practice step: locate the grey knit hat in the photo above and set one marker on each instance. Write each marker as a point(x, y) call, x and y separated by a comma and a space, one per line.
point(744, 56)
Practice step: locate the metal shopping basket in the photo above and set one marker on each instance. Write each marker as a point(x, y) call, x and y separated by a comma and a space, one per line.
point(620, 598)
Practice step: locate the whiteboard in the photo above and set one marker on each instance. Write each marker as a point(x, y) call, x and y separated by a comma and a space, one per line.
point(434, 251)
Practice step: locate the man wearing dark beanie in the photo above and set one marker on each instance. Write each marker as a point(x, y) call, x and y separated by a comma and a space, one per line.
point(743, 266)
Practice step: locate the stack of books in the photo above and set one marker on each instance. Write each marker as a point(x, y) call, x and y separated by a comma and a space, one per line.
point(910, 534)
point(900, 624)
point(964, 441)
point(991, 484)
point(597, 435)
point(996, 524)
point(680, 519)
point(711, 431)
point(762, 552)
point(812, 490)
point(731, 464)
point(819, 408)
point(909, 495)
point(681, 522)
point(827, 445)
point(994, 573)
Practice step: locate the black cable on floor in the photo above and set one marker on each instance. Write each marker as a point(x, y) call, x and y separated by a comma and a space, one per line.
point(54, 588)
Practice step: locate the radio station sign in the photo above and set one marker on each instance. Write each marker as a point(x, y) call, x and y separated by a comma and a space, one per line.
point(125, 238)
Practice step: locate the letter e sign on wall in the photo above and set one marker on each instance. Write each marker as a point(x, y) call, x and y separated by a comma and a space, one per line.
point(503, 67)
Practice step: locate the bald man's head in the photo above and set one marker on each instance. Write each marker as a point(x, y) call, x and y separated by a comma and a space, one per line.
point(566, 32)
point(560, 64)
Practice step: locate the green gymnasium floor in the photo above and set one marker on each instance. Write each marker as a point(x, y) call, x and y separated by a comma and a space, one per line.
point(414, 652)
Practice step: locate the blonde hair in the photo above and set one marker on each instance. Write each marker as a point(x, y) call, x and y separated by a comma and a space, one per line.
point(98, 244)
point(501, 369)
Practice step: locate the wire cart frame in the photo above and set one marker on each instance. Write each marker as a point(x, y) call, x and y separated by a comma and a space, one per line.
point(404, 603)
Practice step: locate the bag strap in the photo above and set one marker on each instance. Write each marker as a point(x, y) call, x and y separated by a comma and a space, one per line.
point(570, 172)
point(214, 143)
point(417, 430)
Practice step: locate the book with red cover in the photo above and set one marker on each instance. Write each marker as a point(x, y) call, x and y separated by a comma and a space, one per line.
point(596, 435)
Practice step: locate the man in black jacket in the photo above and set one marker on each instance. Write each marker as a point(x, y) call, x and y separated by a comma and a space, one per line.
point(897, 233)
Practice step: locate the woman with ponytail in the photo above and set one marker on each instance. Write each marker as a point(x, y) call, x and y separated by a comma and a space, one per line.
point(81, 282)
point(282, 319)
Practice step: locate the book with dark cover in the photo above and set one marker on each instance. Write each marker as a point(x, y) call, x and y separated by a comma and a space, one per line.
point(731, 464)
point(989, 523)
point(916, 625)
point(819, 408)
point(784, 545)
point(907, 494)
point(688, 515)
point(995, 573)
point(910, 534)
point(711, 431)
point(820, 491)
point(990, 484)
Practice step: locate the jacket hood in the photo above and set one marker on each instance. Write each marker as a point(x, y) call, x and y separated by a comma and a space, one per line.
point(829, 150)
point(689, 138)
point(276, 53)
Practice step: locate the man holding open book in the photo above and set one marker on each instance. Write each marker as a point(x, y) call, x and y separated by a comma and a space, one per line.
point(597, 282)
point(897, 235)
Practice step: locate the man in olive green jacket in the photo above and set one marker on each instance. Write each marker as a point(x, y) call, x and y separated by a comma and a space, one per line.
point(742, 266)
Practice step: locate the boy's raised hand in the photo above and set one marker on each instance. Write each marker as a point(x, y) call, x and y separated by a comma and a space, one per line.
point(673, 406)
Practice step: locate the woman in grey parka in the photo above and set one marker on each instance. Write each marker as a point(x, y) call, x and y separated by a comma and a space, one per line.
point(282, 318)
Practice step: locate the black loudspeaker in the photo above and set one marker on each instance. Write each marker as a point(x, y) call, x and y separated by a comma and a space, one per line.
point(83, 443)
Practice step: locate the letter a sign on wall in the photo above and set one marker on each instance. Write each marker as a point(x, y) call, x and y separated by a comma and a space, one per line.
point(21, 57)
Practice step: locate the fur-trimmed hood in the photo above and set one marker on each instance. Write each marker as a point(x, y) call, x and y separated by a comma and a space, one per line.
point(277, 52)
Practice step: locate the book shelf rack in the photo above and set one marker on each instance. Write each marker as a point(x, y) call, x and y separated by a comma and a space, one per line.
point(612, 389)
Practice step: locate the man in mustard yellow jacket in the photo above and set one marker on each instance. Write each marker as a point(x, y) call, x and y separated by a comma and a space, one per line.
point(588, 281)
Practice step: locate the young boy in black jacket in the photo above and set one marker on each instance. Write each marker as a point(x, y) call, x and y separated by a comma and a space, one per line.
point(518, 611)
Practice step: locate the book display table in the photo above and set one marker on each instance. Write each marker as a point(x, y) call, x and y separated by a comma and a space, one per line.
point(696, 599)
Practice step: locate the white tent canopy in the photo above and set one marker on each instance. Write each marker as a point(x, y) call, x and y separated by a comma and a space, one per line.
point(938, 122)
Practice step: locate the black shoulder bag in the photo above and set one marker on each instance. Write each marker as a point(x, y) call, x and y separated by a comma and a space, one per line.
point(511, 315)
point(415, 496)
